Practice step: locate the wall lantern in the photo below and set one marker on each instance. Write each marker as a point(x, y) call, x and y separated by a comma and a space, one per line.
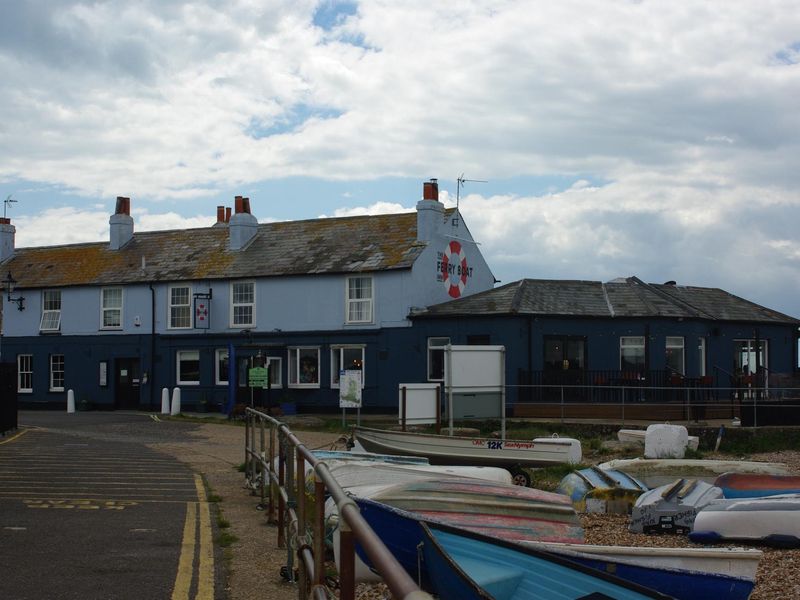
point(10, 282)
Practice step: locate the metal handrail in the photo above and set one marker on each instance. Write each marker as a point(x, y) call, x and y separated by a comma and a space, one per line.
point(262, 477)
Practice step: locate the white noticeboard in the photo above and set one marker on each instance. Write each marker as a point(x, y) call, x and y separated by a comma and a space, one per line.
point(422, 403)
point(479, 371)
point(349, 389)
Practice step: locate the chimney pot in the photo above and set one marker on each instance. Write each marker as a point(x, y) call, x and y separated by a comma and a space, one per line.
point(246, 205)
point(220, 214)
point(430, 190)
point(238, 204)
point(123, 206)
point(227, 214)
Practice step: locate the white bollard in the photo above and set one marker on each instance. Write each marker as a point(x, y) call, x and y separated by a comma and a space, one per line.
point(176, 402)
point(70, 401)
point(165, 401)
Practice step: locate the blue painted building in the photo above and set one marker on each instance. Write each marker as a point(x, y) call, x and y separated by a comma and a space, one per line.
point(118, 321)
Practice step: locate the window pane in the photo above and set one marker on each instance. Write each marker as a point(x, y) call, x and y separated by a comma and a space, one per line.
point(436, 358)
point(57, 372)
point(359, 299)
point(222, 366)
point(631, 353)
point(189, 366)
point(242, 315)
point(112, 298)
point(309, 369)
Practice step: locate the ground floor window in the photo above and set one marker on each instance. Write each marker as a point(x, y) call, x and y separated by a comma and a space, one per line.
point(436, 357)
point(631, 353)
point(25, 373)
point(275, 366)
point(188, 363)
point(56, 372)
point(304, 367)
point(346, 358)
point(564, 353)
point(221, 368)
point(701, 356)
point(749, 355)
point(675, 356)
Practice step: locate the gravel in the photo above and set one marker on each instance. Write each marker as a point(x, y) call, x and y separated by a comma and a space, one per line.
point(254, 560)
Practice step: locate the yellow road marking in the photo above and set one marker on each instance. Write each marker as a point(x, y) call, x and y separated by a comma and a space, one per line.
point(183, 581)
point(205, 582)
point(15, 436)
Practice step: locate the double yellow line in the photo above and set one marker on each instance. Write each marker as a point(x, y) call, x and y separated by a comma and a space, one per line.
point(198, 516)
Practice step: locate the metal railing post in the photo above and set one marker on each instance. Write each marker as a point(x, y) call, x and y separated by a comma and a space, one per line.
point(319, 530)
point(291, 505)
point(403, 408)
point(281, 501)
point(301, 516)
point(264, 470)
point(272, 485)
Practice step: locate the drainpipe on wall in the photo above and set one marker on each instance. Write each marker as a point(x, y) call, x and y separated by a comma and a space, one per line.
point(152, 380)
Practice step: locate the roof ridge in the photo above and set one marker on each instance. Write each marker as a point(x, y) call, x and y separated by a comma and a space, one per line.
point(516, 301)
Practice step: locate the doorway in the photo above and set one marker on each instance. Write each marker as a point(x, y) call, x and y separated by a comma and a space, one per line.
point(127, 383)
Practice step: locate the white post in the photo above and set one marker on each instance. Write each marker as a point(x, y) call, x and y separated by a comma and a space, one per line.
point(164, 401)
point(176, 401)
point(70, 401)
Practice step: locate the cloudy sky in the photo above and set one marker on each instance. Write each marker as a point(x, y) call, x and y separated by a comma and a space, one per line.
point(657, 139)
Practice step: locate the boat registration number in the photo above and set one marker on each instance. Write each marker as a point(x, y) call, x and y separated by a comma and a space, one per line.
point(494, 445)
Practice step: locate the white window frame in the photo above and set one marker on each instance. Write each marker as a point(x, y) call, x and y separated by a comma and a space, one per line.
point(293, 354)
point(56, 360)
point(25, 368)
point(185, 355)
point(187, 306)
point(632, 341)
point(51, 317)
point(218, 357)
point(234, 305)
point(701, 350)
point(677, 342)
point(338, 351)
point(436, 344)
point(355, 301)
point(275, 366)
point(108, 309)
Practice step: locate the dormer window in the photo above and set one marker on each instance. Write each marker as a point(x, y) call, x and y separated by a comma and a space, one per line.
point(51, 311)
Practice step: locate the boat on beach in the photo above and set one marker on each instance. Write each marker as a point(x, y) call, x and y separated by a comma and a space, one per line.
point(753, 485)
point(501, 511)
point(683, 573)
point(463, 565)
point(672, 508)
point(453, 450)
point(596, 491)
point(655, 472)
point(772, 520)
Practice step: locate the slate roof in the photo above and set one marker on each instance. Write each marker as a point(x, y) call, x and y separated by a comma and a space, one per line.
point(331, 245)
point(624, 298)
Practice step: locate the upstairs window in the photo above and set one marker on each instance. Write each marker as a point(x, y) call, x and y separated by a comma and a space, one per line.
point(243, 304)
point(359, 300)
point(111, 306)
point(51, 311)
point(180, 310)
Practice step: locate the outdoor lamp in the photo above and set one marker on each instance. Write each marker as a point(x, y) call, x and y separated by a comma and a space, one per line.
point(10, 282)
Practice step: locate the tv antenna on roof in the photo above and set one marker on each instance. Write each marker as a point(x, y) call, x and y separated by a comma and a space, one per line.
point(6, 202)
point(461, 182)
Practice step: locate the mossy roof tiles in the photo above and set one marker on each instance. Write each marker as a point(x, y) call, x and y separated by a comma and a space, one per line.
point(335, 245)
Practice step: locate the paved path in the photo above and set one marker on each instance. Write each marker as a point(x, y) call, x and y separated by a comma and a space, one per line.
point(88, 511)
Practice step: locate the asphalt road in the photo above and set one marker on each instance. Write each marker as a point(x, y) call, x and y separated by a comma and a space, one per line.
point(88, 511)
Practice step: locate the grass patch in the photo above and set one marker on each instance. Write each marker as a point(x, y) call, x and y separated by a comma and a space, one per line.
point(215, 498)
point(222, 522)
point(226, 539)
point(242, 467)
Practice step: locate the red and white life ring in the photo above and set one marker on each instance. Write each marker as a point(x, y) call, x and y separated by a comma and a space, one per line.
point(456, 281)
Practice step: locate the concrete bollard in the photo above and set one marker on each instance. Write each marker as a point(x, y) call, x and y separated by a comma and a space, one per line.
point(176, 401)
point(164, 401)
point(70, 401)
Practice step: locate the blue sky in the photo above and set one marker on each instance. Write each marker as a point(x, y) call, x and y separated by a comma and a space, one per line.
point(627, 138)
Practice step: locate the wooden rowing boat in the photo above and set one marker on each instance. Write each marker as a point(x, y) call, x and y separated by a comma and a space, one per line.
point(753, 485)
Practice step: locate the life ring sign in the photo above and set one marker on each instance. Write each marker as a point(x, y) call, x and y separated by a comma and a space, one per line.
point(452, 269)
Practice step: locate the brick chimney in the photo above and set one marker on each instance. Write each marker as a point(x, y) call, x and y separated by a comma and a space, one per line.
point(242, 225)
point(121, 224)
point(7, 233)
point(430, 212)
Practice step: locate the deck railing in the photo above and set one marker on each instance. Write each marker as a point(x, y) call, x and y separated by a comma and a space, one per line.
point(268, 443)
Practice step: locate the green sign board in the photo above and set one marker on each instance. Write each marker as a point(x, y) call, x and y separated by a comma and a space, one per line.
point(257, 377)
